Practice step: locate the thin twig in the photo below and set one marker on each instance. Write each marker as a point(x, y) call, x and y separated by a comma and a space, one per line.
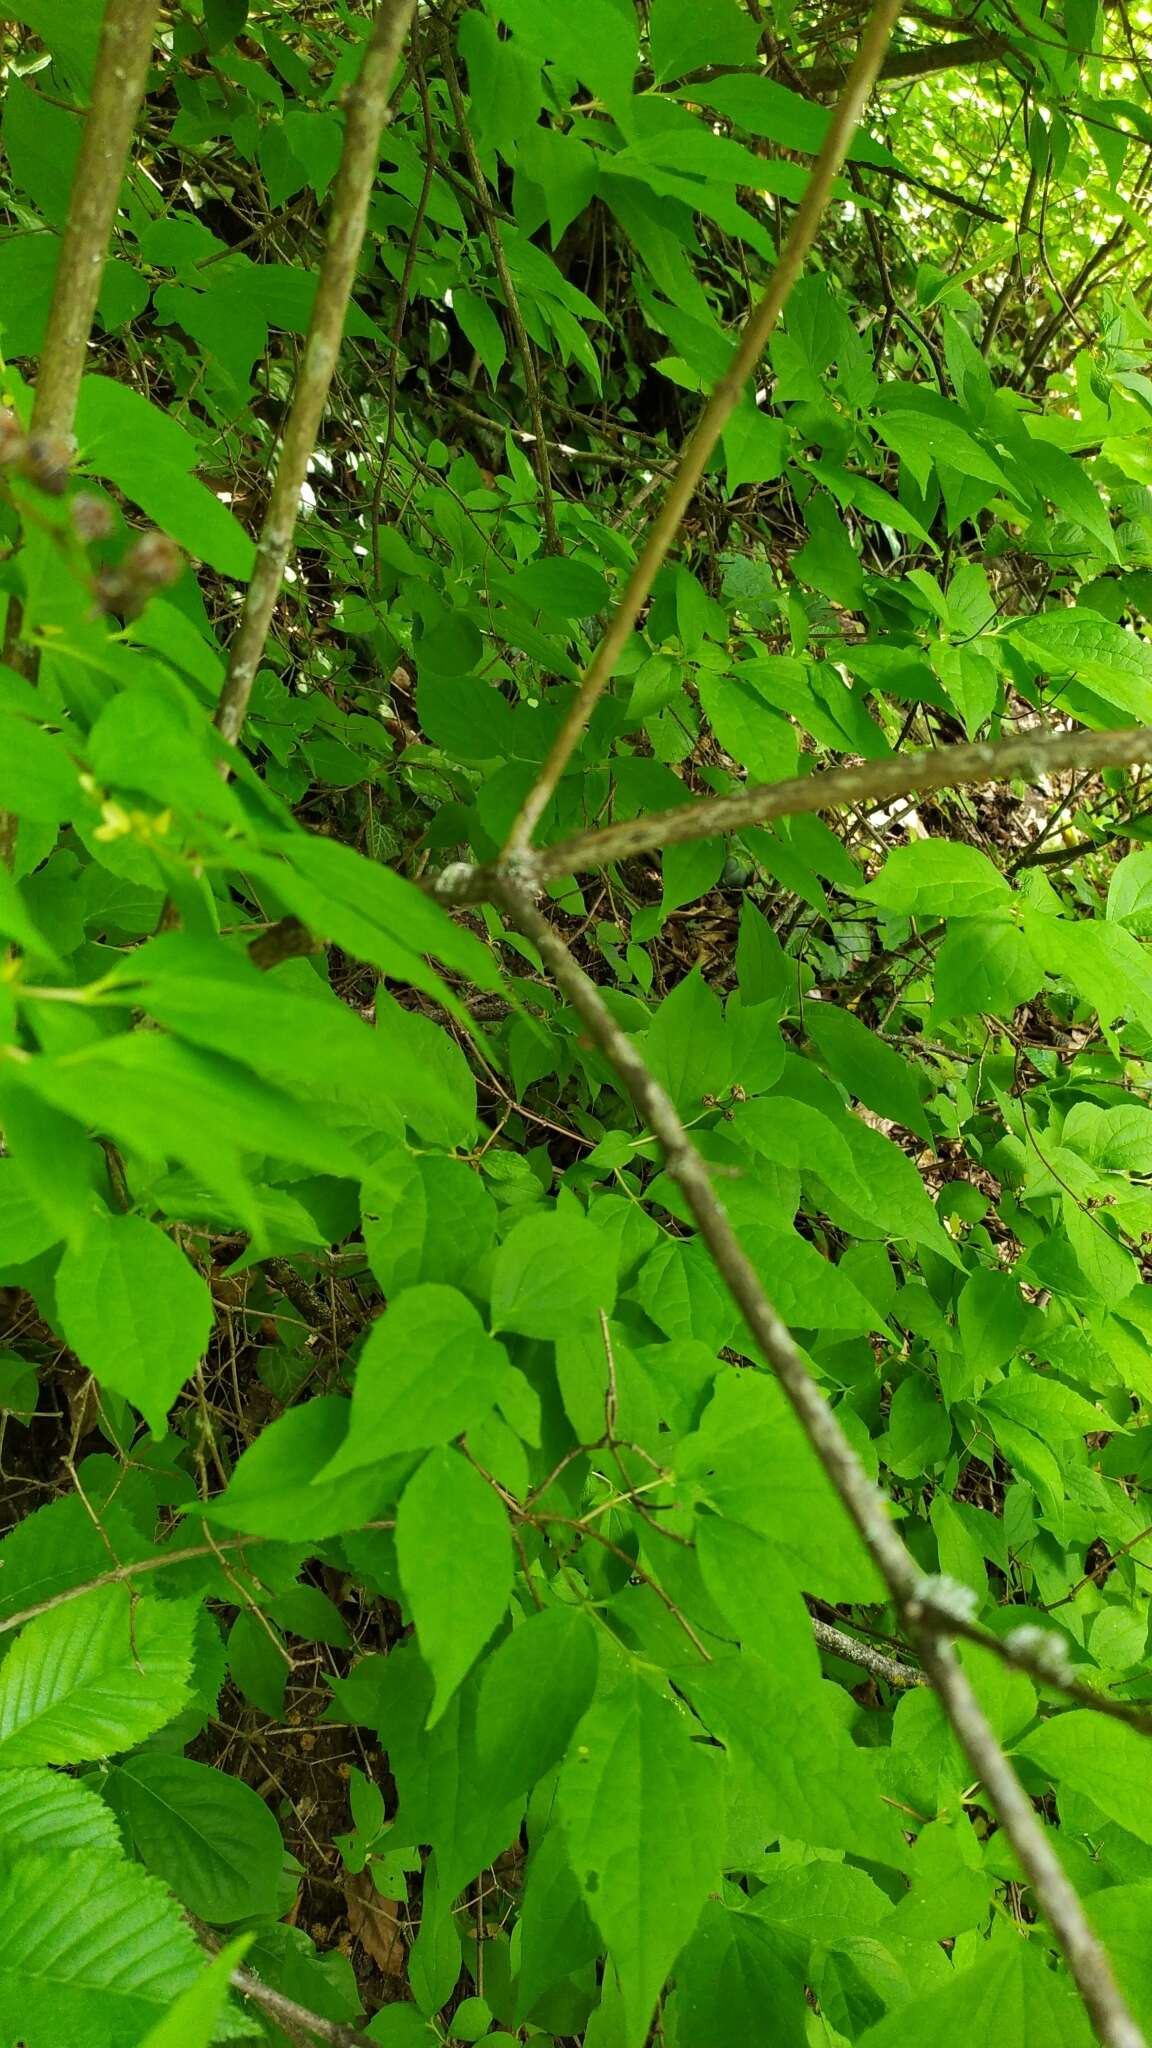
point(366, 113)
point(1025, 758)
point(890, 1669)
point(511, 298)
point(715, 416)
point(926, 1622)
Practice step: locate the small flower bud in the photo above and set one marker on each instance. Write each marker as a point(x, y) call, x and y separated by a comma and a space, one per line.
point(91, 517)
point(48, 462)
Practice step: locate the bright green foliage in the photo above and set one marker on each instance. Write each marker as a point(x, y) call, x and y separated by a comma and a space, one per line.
point(364, 1380)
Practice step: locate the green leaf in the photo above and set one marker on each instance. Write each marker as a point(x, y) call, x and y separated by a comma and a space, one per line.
point(750, 1459)
point(18, 923)
point(1116, 664)
point(428, 1372)
point(93, 1951)
point(553, 1273)
point(148, 455)
point(992, 1316)
point(280, 1489)
point(194, 2021)
point(533, 1690)
point(41, 141)
point(937, 878)
point(135, 1311)
point(985, 964)
point(44, 1811)
point(814, 1785)
point(92, 1678)
point(223, 21)
point(683, 41)
point(1107, 1762)
point(1012, 1997)
point(208, 1835)
point(686, 1048)
point(37, 780)
point(874, 1072)
point(559, 586)
point(734, 1971)
point(454, 1552)
point(641, 1806)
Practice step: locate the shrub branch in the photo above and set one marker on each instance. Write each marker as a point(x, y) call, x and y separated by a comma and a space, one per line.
point(366, 114)
point(1025, 758)
point(921, 1604)
point(715, 416)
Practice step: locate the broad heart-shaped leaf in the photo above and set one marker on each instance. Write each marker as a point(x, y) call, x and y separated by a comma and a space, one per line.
point(279, 1487)
point(732, 1975)
point(937, 878)
point(93, 1951)
point(454, 1553)
point(209, 1836)
point(816, 1785)
point(1107, 1762)
point(750, 1459)
point(1012, 1997)
point(682, 38)
point(428, 1372)
point(94, 1677)
point(446, 1799)
point(44, 1811)
point(1122, 1915)
point(1115, 663)
point(642, 1807)
point(532, 1692)
point(686, 1047)
point(869, 1069)
point(135, 1311)
point(553, 1273)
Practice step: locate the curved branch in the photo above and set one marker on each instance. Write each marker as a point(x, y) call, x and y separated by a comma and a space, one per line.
point(920, 1604)
point(715, 416)
point(367, 112)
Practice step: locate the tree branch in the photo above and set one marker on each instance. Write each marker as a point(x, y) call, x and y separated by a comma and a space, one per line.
point(926, 1616)
point(920, 63)
point(367, 111)
point(1027, 757)
point(715, 416)
point(117, 89)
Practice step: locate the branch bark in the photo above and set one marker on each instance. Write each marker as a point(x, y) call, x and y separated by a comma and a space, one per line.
point(715, 416)
point(1026, 758)
point(117, 89)
point(901, 65)
point(367, 112)
point(926, 1622)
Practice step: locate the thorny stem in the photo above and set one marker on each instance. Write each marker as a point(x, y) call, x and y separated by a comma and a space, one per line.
point(1026, 758)
point(715, 416)
point(926, 1624)
point(367, 111)
point(507, 286)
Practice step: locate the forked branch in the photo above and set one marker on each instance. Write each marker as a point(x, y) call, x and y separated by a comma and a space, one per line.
point(927, 1623)
point(366, 113)
point(715, 416)
point(1027, 757)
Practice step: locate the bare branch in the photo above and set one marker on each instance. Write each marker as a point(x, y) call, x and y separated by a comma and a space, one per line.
point(964, 53)
point(837, 1644)
point(1027, 757)
point(117, 88)
point(926, 1623)
point(367, 111)
point(715, 416)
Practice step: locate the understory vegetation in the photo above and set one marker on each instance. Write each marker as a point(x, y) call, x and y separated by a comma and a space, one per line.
point(575, 1024)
